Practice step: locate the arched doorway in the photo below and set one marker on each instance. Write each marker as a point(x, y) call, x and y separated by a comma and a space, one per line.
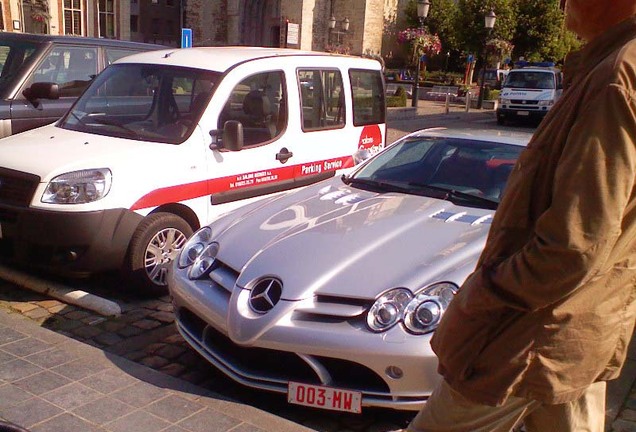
point(260, 23)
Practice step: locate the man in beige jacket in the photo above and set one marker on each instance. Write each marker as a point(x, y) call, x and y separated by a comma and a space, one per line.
point(547, 316)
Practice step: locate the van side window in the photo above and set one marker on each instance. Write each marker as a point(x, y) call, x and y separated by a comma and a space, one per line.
point(72, 68)
point(259, 103)
point(368, 97)
point(322, 99)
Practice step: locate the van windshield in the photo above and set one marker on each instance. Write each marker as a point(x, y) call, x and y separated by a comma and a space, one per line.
point(14, 56)
point(530, 80)
point(143, 102)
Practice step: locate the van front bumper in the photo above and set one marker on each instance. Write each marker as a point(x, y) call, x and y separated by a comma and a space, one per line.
point(523, 112)
point(66, 243)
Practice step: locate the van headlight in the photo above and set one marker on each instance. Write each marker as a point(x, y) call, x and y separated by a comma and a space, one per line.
point(548, 102)
point(78, 187)
point(420, 313)
point(503, 101)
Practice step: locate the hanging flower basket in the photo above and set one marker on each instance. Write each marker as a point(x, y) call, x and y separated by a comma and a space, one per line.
point(39, 9)
point(422, 43)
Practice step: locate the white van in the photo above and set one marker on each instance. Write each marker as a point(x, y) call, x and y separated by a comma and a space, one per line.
point(529, 93)
point(162, 142)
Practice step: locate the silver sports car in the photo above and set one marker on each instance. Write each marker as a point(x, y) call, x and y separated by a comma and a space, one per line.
point(330, 294)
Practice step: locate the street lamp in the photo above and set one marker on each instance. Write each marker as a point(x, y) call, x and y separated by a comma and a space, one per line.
point(344, 26)
point(422, 12)
point(489, 22)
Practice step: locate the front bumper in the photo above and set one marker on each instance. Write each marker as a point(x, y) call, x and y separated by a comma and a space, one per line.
point(392, 370)
point(521, 112)
point(67, 243)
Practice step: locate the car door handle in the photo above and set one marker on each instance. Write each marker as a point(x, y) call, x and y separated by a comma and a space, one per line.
point(283, 155)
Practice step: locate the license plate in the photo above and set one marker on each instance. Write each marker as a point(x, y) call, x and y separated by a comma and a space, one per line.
point(324, 397)
point(523, 113)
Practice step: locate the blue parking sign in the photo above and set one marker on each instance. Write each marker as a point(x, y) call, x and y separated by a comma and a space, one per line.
point(186, 38)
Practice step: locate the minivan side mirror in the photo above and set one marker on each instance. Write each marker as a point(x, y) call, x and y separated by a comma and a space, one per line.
point(229, 138)
point(42, 90)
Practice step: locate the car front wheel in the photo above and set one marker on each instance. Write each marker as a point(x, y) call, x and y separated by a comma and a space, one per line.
point(154, 245)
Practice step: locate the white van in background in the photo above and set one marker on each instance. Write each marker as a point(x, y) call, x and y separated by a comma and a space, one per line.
point(529, 93)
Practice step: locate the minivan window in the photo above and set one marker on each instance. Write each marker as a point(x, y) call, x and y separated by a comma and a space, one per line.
point(322, 99)
point(143, 102)
point(72, 68)
point(530, 80)
point(368, 97)
point(13, 55)
point(259, 103)
point(113, 54)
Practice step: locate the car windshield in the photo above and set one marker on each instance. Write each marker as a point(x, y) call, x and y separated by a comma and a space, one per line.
point(143, 102)
point(14, 56)
point(530, 80)
point(467, 172)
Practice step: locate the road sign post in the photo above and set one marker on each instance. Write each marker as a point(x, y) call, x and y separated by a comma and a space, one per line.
point(186, 38)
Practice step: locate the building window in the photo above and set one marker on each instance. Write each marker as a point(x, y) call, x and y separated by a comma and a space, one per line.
point(1, 18)
point(134, 23)
point(155, 26)
point(106, 18)
point(73, 17)
point(169, 2)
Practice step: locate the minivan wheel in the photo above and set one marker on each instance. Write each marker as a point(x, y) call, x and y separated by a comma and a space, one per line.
point(154, 245)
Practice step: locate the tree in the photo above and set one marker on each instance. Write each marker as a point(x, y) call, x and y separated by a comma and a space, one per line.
point(471, 31)
point(540, 34)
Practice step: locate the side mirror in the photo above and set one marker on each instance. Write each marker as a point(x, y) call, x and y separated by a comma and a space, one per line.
point(42, 90)
point(229, 138)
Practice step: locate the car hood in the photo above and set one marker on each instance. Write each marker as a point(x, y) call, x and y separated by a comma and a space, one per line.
point(333, 239)
point(54, 150)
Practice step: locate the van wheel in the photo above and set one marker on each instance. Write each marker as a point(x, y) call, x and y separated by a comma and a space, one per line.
point(501, 120)
point(152, 249)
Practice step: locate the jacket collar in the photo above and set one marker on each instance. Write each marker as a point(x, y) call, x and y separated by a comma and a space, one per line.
point(579, 63)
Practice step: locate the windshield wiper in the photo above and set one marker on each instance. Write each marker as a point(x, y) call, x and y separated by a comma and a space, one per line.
point(108, 122)
point(455, 195)
point(383, 186)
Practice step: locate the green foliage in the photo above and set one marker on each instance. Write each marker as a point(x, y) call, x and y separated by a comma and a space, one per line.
point(398, 99)
point(540, 33)
point(533, 27)
point(471, 31)
point(491, 94)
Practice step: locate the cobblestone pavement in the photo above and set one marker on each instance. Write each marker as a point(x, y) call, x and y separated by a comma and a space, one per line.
point(145, 333)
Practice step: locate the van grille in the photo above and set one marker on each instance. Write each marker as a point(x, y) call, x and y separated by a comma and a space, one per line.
point(17, 188)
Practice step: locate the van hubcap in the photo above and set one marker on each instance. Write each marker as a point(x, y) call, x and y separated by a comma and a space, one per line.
point(162, 249)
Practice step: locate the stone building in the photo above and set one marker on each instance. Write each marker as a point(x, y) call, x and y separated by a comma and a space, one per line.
point(156, 21)
point(353, 26)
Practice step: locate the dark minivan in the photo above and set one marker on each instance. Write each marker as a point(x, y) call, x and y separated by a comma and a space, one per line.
point(42, 75)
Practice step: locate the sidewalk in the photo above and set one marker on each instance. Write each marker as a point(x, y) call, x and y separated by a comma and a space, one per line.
point(52, 383)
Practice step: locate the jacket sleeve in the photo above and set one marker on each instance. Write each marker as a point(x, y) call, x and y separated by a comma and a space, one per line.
point(574, 237)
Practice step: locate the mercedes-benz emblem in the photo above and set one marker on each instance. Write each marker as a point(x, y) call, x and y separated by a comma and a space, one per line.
point(265, 294)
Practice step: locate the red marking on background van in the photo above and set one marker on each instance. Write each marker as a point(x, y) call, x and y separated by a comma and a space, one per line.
point(371, 139)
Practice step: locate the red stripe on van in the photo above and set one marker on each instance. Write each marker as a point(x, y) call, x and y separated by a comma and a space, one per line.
point(201, 188)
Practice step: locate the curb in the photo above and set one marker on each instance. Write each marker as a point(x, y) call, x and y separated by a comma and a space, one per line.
point(60, 292)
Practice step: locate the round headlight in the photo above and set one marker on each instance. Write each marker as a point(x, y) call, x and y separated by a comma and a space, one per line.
point(195, 246)
point(388, 309)
point(203, 263)
point(425, 310)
